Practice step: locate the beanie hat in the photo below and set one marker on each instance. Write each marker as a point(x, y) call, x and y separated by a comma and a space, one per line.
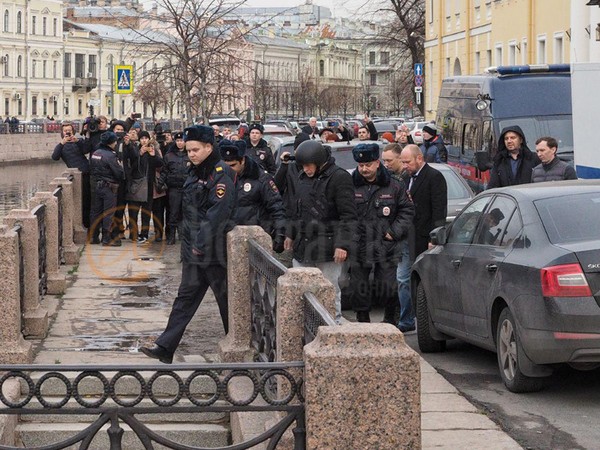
point(108, 137)
point(142, 134)
point(388, 136)
point(118, 122)
point(363, 153)
point(200, 133)
point(430, 129)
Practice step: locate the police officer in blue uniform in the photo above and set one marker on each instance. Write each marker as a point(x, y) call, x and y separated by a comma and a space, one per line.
point(106, 172)
point(385, 215)
point(258, 199)
point(258, 149)
point(209, 199)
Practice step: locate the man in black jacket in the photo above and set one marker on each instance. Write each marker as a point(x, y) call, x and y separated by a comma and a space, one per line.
point(208, 204)
point(429, 192)
point(258, 149)
point(385, 216)
point(323, 219)
point(514, 162)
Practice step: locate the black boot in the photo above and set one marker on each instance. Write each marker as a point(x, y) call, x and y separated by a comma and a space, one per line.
point(363, 316)
point(171, 236)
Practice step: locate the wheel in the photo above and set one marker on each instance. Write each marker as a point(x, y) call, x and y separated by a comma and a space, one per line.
point(427, 343)
point(508, 348)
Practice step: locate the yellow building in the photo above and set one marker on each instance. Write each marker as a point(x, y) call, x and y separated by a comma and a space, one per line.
point(463, 37)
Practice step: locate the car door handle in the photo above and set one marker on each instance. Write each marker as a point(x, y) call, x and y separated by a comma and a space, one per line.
point(491, 267)
point(456, 263)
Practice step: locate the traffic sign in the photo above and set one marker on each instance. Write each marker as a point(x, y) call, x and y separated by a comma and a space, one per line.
point(418, 89)
point(123, 79)
point(418, 80)
point(419, 69)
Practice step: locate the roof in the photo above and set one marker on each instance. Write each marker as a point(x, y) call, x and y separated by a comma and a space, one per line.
point(535, 191)
point(142, 36)
point(275, 41)
point(104, 11)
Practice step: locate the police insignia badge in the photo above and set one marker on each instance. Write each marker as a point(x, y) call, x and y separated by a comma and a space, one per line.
point(220, 190)
point(273, 186)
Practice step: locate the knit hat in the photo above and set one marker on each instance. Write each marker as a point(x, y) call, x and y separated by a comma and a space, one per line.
point(388, 136)
point(142, 134)
point(430, 129)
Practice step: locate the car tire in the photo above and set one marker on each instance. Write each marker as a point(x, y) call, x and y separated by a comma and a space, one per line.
point(427, 344)
point(507, 349)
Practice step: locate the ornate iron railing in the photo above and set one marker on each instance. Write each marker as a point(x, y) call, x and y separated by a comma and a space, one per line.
point(58, 193)
point(114, 408)
point(40, 212)
point(18, 229)
point(315, 316)
point(264, 272)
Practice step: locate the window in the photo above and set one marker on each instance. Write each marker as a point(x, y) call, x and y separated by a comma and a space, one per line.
point(385, 58)
point(19, 66)
point(66, 106)
point(44, 26)
point(34, 105)
point(489, 57)
point(492, 230)
point(430, 10)
point(33, 24)
point(321, 68)
point(45, 107)
point(55, 69)
point(20, 107)
point(499, 55)
point(477, 62)
point(512, 53)
point(123, 108)
point(558, 49)
point(470, 142)
point(6, 15)
point(33, 68)
point(6, 106)
point(44, 69)
point(19, 17)
point(541, 53)
point(67, 68)
point(372, 58)
point(373, 79)
point(92, 65)
point(55, 107)
point(464, 226)
point(524, 58)
point(55, 27)
point(80, 106)
point(6, 65)
point(79, 65)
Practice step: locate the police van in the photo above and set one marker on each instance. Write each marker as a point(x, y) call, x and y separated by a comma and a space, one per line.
point(473, 110)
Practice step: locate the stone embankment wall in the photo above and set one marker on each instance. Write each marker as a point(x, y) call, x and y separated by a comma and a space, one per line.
point(26, 147)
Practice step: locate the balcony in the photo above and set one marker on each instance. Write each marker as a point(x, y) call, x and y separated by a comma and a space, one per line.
point(84, 83)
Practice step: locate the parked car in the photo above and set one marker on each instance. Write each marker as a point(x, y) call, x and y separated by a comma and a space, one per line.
point(280, 144)
point(281, 123)
point(517, 272)
point(416, 130)
point(276, 130)
point(355, 124)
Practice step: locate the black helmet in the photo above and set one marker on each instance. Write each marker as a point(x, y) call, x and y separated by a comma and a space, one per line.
point(311, 152)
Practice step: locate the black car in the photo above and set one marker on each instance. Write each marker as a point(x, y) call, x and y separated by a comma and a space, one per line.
point(517, 272)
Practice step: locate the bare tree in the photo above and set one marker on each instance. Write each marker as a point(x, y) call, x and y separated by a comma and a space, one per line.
point(153, 91)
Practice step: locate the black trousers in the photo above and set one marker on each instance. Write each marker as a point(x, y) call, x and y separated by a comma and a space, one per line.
point(175, 207)
point(158, 215)
point(383, 289)
point(103, 208)
point(195, 281)
point(135, 209)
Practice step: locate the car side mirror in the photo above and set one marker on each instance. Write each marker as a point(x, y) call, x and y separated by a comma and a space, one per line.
point(483, 161)
point(438, 236)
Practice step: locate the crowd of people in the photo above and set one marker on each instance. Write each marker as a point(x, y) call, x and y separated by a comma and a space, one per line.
point(199, 183)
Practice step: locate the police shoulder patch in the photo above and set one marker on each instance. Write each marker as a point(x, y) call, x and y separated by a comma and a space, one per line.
point(221, 189)
point(273, 186)
point(219, 169)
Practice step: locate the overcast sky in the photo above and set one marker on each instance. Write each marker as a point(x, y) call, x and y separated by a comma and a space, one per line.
point(339, 8)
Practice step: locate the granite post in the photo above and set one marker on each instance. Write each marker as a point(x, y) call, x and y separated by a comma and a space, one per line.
point(71, 251)
point(13, 348)
point(79, 232)
point(362, 389)
point(35, 316)
point(235, 347)
point(57, 282)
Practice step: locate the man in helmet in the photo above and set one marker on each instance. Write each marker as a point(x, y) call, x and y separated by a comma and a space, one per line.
point(321, 226)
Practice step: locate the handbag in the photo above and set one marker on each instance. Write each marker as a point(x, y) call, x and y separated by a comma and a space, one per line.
point(137, 190)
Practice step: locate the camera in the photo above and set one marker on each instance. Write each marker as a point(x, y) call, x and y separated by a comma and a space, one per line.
point(136, 115)
point(91, 123)
point(287, 158)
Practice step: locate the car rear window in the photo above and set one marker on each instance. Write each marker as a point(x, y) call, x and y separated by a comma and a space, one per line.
point(570, 218)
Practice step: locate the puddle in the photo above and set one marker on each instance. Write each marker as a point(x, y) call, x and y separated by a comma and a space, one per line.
point(139, 291)
point(138, 304)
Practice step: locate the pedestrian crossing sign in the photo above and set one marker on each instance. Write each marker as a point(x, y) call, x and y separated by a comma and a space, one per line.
point(123, 79)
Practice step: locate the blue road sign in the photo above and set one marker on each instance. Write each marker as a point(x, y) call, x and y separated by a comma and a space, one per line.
point(123, 79)
point(418, 80)
point(419, 69)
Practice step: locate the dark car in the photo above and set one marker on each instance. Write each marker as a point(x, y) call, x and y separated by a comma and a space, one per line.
point(517, 272)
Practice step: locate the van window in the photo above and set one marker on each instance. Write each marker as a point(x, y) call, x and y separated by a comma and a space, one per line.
point(487, 140)
point(470, 139)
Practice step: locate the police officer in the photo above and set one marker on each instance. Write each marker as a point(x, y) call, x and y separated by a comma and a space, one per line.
point(385, 216)
point(106, 174)
point(258, 199)
point(172, 177)
point(321, 229)
point(258, 149)
point(208, 203)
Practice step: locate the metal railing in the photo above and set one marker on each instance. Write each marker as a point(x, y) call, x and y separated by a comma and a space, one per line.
point(80, 383)
point(40, 212)
point(18, 229)
point(264, 272)
point(58, 193)
point(315, 316)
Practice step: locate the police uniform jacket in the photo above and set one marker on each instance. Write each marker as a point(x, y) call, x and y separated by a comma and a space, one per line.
point(175, 170)
point(383, 208)
point(104, 166)
point(262, 154)
point(208, 203)
point(323, 214)
point(72, 153)
point(258, 200)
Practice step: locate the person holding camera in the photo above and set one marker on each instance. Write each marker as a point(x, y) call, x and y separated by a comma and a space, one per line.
point(72, 151)
point(92, 129)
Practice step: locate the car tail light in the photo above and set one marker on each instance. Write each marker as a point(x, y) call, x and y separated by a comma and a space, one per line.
point(566, 280)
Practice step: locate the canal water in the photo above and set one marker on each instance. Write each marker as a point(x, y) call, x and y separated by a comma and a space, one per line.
point(21, 180)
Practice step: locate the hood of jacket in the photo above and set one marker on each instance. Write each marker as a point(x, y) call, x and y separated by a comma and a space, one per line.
point(503, 151)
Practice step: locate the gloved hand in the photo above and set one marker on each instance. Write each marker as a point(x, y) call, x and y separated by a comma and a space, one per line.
point(278, 243)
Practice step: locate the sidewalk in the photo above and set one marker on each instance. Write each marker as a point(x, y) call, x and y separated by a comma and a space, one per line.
point(121, 297)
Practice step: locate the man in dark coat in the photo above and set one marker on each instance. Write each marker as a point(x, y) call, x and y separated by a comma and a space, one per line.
point(311, 129)
point(258, 199)
point(514, 162)
point(208, 203)
point(385, 216)
point(258, 149)
point(323, 219)
point(433, 148)
point(429, 192)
